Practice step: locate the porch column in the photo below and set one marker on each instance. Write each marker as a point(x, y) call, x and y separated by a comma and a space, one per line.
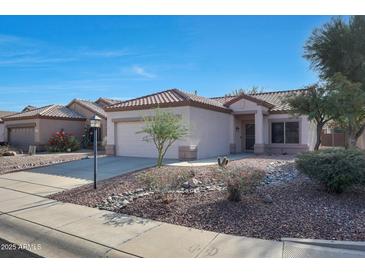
point(259, 132)
point(232, 143)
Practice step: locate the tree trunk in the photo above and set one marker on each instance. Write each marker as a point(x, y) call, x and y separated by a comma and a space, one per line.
point(159, 159)
point(351, 141)
point(319, 131)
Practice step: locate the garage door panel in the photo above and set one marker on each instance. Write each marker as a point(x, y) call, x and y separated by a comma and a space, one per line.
point(21, 137)
point(129, 143)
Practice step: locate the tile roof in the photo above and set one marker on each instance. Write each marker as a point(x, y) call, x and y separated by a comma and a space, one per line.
point(92, 106)
point(102, 101)
point(4, 113)
point(274, 98)
point(51, 111)
point(175, 97)
point(168, 98)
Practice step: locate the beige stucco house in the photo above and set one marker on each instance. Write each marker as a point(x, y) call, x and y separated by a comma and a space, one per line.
point(36, 126)
point(217, 126)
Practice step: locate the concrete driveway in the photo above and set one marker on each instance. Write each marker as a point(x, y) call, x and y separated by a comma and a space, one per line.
point(48, 180)
point(107, 167)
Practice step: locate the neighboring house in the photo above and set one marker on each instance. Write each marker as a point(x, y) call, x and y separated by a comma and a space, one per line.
point(217, 126)
point(88, 109)
point(2, 126)
point(36, 126)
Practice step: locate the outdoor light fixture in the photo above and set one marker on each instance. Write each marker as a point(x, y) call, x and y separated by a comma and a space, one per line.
point(95, 123)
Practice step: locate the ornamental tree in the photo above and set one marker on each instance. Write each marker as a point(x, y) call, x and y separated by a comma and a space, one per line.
point(163, 129)
point(316, 103)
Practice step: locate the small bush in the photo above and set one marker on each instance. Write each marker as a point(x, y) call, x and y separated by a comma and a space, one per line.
point(162, 179)
point(337, 169)
point(63, 142)
point(239, 180)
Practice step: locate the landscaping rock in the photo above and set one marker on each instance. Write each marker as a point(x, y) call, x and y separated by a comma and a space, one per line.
point(192, 183)
point(125, 203)
point(21, 161)
point(9, 153)
point(267, 199)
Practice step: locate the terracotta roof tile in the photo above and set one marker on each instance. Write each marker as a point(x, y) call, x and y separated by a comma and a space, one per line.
point(51, 111)
point(274, 98)
point(168, 98)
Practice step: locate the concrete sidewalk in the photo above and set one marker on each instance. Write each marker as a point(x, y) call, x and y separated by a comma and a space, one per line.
point(55, 229)
point(68, 230)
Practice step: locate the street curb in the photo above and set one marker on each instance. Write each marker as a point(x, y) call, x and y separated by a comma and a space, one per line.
point(349, 245)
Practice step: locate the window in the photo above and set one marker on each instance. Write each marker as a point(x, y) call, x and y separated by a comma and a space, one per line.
point(292, 133)
point(277, 133)
point(285, 133)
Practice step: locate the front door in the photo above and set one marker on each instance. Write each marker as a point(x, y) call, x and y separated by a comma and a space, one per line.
point(249, 136)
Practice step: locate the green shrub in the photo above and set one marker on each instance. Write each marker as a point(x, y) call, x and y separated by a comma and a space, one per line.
point(337, 169)
point(63, 142)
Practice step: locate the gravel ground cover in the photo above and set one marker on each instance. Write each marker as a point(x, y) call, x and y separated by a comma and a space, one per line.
point(23, 161)
point(284, 204)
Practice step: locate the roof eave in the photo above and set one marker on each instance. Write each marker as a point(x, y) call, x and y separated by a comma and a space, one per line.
point(167, 105)
point(249, 98)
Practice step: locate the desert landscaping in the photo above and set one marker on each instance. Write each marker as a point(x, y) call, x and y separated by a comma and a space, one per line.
point(280, 201)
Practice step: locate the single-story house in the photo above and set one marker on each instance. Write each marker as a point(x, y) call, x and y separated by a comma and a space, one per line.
point(36, 126)
point(2, 126)
point(217, 126)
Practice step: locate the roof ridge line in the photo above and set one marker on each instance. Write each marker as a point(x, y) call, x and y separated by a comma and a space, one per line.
point(182, 94)
point(145, 96)
point(280, 91)
point(47, 108)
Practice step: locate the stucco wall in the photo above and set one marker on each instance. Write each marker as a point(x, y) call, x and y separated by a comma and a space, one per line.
point(88, 114)
point(244, 105)
point(2, 132)
point(136, 146)
point(210, 131)
point(47, 127)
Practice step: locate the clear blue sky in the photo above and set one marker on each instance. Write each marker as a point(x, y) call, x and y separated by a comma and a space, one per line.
point(51, 59)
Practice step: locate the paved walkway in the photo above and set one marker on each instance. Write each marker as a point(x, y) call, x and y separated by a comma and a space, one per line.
point(55, 229)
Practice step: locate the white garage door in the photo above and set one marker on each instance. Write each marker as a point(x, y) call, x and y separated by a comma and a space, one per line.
point(128, 143)
point(21, 137)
